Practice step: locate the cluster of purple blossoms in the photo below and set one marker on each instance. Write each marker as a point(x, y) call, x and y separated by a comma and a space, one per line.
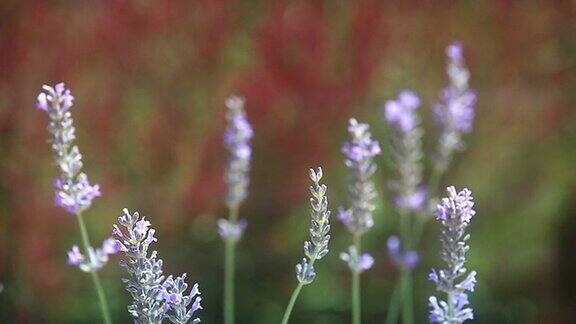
point(317, 247)
point(455, 213)
point(454, 111)
point(360, 152)
point(97, 258)
point(237, 140)
point(408, 259)
point(74, 192)
point(401, 113)
point(155, 298)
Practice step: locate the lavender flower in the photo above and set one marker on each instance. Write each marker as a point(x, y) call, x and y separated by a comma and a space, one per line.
point(357, 262)
point(317, 247)
point(74, 192)
point(237, 140)
point(408, 259)
point(155, 297)
point(97, 257)
point(454, 110)
point(175, 297)
point(230, 230)
point(360, 151)
point(407, 139)
point(455, 213)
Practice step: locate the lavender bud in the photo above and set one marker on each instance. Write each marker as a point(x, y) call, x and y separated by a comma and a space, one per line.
point(455, 213)
point(74, 192)
point(317, 247)
point(454, 111)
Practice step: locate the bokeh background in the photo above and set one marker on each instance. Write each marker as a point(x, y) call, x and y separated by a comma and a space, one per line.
point(150, 78)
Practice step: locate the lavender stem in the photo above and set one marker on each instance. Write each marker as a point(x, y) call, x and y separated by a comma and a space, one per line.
point(94, 273)
point(394, 306)
point(291, 303)
point(229, 272)
point(356, 298)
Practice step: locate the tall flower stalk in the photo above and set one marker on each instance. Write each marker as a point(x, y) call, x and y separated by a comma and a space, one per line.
point(455, 109)
point(317, 247)
point(454, 113)
point(360, 151)
point(237, 140)
point(74, 192)
point(154, 297)
point(401, 114)
point(455, 213)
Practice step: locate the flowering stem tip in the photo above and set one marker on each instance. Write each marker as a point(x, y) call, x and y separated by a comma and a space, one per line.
point(317, 247)
point(455, 213)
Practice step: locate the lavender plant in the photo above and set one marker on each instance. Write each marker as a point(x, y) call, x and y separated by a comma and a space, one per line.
point(237, 140)
point(317, 247)
point(74, 192)
point(401, 114)
point(154, 297)
point(454, 111)
point(455, 213)
point(360, 151)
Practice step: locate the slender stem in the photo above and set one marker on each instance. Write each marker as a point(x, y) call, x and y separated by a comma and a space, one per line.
point(356, 300)
point(394, 306)
point(229, 271)
point(229, 254)
point(94, 274)
point(291, 303)
point(407, 298)
point(406, 274)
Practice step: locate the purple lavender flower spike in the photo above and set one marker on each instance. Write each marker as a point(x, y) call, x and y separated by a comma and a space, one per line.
point(408, 259)
point(237, 140)
point(360, 152)
point(455, 213)
point(455, 110)
point(402, 114)
point(74, 192)
point(154, 297)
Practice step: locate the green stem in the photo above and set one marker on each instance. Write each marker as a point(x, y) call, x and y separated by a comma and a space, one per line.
point(94, 274)
point(291, 303)
point(356, 300)
point(407, 298)
point(406, 274)
point(229, 272)
point(394, 306)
